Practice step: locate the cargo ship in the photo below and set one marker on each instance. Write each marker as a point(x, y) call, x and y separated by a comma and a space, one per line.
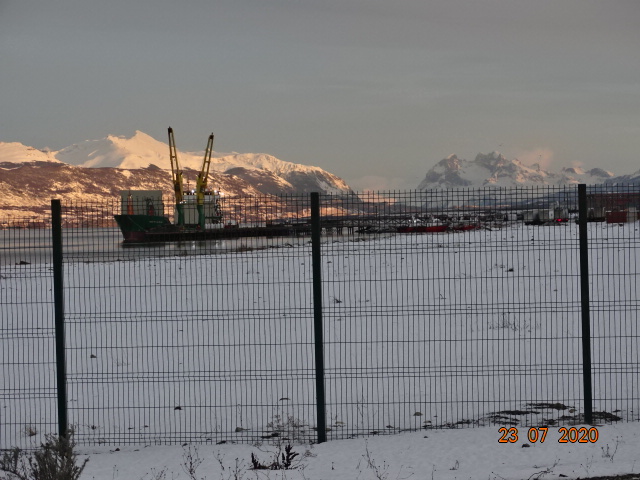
point(197, 213)
point(143, 220)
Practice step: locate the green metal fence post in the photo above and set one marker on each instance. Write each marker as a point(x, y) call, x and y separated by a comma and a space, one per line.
point(584, 299)
point(317, 317)
point(58, 298)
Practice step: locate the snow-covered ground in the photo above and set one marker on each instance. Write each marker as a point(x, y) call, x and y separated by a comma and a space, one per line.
point(468, 453)
point(478, 328)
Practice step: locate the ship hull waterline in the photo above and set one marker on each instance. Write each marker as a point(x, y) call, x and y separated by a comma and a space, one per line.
point(158, 229)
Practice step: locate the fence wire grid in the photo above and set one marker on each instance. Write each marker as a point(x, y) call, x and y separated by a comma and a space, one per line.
point(439, 309)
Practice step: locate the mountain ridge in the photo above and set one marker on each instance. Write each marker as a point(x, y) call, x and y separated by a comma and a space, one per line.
point(495, 170)
point(97, 170)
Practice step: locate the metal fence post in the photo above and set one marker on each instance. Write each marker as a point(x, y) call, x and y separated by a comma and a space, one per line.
point(584, 299)
point(58, 298)
point(317, 317)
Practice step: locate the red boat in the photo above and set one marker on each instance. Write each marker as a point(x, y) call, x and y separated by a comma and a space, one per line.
point(423, 229)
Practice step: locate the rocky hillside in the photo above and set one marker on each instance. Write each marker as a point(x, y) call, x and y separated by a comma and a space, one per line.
point(97, 170)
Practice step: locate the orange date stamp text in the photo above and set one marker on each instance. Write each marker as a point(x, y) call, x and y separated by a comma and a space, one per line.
point(539, 435)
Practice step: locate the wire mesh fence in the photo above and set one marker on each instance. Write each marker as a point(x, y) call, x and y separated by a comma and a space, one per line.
point(27, 345)
point(468, 316)
point(191, 340)
point(439, 309)
point(614, 275)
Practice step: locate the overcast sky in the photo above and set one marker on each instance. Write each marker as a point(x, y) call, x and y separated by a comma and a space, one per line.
point(375, 91)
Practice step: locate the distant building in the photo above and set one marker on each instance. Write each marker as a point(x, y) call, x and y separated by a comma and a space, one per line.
point(620, 207)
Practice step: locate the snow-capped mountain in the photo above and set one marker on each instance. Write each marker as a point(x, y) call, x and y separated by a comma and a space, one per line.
point(494, 170)
point(15, 154)
point(631, 179)
point(97, 170)
point(138, 151)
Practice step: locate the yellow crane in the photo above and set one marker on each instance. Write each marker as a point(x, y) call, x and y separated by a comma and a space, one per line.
point(201, 182)
point(178, 181)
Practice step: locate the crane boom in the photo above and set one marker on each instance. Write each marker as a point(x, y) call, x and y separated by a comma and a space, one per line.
point(201, 182)
point(176, 175)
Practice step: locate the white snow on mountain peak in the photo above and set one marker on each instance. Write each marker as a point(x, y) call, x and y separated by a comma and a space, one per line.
point(138, 151)
point(141, 151)
point(495, 170)
point(17, 153)
point(261, 161)
point(573, 171)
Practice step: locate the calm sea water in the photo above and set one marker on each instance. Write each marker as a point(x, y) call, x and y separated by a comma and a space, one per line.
point(105, 244)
